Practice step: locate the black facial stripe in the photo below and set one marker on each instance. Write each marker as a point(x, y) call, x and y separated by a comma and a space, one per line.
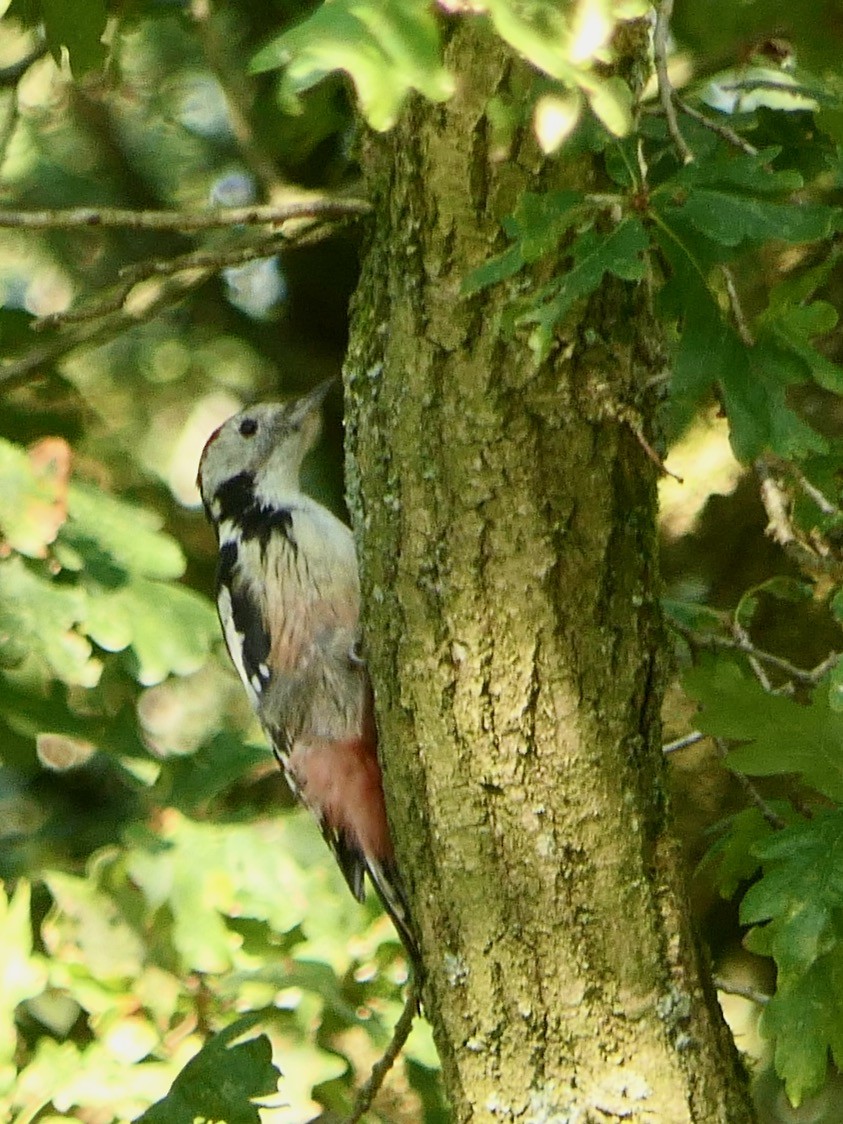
point(235, 495)
point(236, 504)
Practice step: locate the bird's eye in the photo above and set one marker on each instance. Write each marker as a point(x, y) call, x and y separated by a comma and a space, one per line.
point(248, 427)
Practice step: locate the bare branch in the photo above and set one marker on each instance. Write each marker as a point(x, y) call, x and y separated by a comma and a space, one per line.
point(743, 990)
point(713, 642)
point(728, 134)
point(381, 1068)
point(664, 10)
point(746, 645)
point(737, 308)
point(210, 261)
point(322, 207)
point(823, 503)
point(693, 738)
point(773, 818)
point(19, 370)
point(238, 98)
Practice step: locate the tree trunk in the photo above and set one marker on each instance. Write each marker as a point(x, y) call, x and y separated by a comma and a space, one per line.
point(506, 518)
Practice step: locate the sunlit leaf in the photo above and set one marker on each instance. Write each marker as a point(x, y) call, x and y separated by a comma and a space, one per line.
point(172, 628)
point(33, 497)
point(388, 48)
point(22, 974)
point(86, 926)
point(43, 617)
point(113, 536)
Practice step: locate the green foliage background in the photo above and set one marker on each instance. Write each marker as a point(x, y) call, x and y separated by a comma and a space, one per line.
point(166, 914)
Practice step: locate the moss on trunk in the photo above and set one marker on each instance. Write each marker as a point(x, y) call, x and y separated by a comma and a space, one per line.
point(506, 518)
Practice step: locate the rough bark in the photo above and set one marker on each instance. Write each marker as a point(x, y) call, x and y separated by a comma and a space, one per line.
point(506, 518)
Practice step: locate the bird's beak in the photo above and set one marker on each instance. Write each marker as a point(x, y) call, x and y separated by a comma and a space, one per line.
point(310, 403)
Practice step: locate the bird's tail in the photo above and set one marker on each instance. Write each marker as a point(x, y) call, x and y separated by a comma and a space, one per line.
point(387, 882)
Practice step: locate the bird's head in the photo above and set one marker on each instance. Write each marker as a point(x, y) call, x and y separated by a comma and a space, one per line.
point(265, 444)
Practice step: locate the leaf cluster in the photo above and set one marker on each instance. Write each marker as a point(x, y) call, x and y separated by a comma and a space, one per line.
point(130, 963)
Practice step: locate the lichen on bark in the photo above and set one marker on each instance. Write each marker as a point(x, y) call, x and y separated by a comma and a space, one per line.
point(506, 516)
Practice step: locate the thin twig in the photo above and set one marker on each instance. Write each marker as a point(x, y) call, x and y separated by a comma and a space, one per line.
point(742, 637)
point(773, 818)
point(238, 99)
point(7, 126)
point(743, 990)
point(120, 218)
point(368, 1092)
point(737, 308)
point(131, 275)
point(683, 743)
point(823, 503)
point(728, 134)
point(713, 642)
point(206, 259)
point(90, 334)
point(775, 501)
point(93, 311)
point(664, 10)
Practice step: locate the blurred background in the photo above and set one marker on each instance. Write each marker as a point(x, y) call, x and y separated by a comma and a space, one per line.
point(158, 881)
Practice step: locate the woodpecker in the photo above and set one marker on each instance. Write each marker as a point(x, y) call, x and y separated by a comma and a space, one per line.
point(288, 596)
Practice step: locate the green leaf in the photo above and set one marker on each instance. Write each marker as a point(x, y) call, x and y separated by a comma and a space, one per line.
point(782, 736)
point(221, 1081)
point(793, 322)
point(611, 101)
point(755, 396)
point(726, 167)
point(753, 381)
point(620, 252)
point(496, 269)
point(193, 780)
point(796, 910)
point(172, 628)
point(43, 617)
point(690, 615)
point(731, 219)
point(731, 860)
point(77, 25)
point(86, 926)
point(388, 48)
point(114, 538)
point(805, 1019)
point(541, 220)
point(537, 226)
point(799, 892)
